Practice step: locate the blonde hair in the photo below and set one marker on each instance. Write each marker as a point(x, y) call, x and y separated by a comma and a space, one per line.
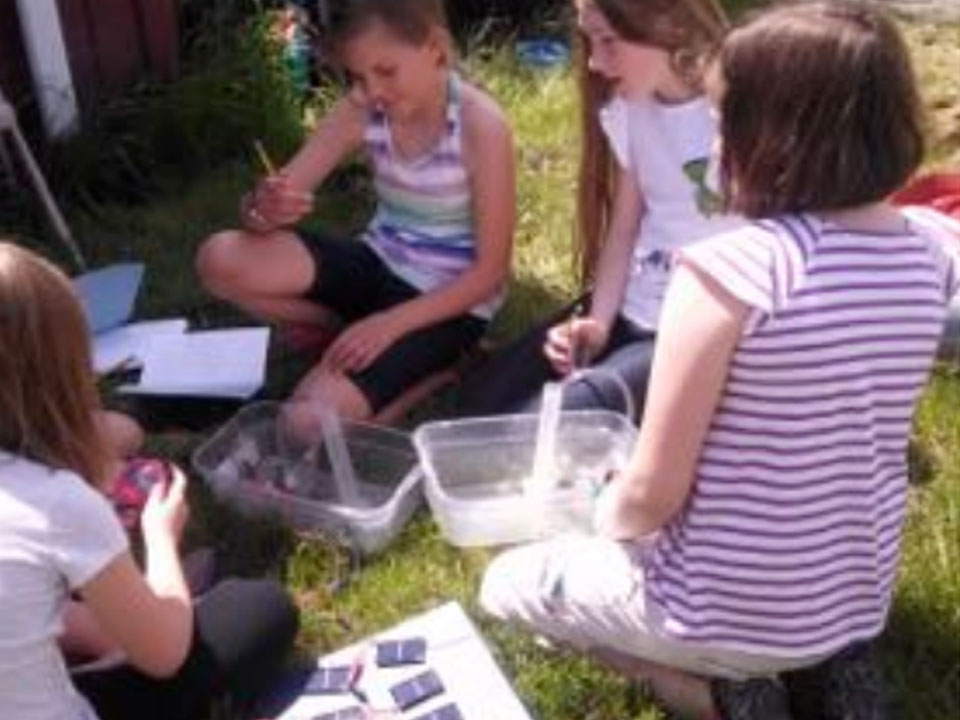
point(690, 31)
point(412, 21)
point(47, 389)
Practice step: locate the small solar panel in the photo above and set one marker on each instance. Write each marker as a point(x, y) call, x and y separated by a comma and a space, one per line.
point(354, 712)
point(401, 652)
point(446, 712)
point(328, 681)
point(417, 689)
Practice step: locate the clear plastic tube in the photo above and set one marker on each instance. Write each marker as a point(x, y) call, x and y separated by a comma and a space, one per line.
point(629, 404)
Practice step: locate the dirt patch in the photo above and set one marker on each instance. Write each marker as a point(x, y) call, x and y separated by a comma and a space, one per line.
point(936, 56)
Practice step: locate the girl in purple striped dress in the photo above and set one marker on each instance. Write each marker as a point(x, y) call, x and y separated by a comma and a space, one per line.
point(757, 527)
point(420, 285)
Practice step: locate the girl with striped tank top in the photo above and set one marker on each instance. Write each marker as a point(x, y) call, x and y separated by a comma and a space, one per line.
point(756, 530)
point(420, 285)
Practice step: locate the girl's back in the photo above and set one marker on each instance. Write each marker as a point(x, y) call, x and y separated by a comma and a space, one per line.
point(800, 490)
point(35, 564)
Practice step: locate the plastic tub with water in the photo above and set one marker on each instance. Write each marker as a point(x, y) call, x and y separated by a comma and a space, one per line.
point(477, 474)
point(258, 464)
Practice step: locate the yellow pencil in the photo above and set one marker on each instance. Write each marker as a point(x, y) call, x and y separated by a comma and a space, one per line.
point(264, 158)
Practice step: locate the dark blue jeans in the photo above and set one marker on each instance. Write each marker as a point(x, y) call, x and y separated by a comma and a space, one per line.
point(243, 631)
point(950, 341)
point(512, 380)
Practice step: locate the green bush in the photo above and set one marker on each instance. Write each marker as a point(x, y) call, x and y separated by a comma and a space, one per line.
point(235, 88)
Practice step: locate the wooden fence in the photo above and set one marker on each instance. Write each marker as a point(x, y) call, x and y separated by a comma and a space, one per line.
point(110, 45)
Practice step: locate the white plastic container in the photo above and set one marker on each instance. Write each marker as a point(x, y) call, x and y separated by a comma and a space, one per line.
point(475, 473)
point(257, 464)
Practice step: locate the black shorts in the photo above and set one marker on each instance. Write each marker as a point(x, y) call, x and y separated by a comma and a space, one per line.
point(352, 280)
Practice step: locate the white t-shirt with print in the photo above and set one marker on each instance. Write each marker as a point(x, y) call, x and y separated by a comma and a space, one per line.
point(667, 148)
point(56, 533)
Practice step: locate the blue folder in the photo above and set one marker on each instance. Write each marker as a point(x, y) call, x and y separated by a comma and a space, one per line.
point(108, 295)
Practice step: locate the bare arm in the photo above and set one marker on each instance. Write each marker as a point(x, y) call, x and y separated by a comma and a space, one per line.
point(283, 198)
point(338, 134)
point(581, 339)
point(613, 267)
point(82, 634)
point(700, 326)
point(150, 619)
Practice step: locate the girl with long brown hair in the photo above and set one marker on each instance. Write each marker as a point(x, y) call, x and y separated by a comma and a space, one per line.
point(60, 539)
point(643, 193)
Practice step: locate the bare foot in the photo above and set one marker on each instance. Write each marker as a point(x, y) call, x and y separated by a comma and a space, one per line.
point(685, 694)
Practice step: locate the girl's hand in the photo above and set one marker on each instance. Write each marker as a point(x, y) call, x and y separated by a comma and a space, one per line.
point(362, 343)
point(608, 512)
point(575, 343)
point(276, 203)
point(165, 514)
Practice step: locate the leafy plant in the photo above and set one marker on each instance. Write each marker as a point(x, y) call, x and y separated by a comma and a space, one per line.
point(235, 88)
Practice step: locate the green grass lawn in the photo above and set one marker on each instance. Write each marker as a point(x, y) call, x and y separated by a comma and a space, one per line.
point(419, 570)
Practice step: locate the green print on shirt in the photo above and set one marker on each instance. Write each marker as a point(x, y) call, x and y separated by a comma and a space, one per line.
point(708, 202)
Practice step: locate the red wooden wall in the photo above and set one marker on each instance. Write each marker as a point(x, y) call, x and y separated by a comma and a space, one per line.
point(110, 45)
point(14, 71)
point(113, 43)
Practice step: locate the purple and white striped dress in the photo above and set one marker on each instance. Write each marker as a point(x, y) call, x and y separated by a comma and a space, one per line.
point(789, 543)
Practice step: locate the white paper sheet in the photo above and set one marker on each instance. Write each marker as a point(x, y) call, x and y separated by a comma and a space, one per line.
point(455, 651)
point(132, 341)
point(215, 363)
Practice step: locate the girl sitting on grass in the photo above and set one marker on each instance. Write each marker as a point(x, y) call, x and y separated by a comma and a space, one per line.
point(419, 286)
point(643, 194)
point(59, 537)
point(757, 527)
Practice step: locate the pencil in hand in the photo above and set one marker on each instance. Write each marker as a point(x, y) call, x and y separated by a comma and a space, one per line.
point(265, 160)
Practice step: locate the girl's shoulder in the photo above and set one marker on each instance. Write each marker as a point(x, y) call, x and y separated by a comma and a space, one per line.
point(42, 491)
point(347, 117)
point(481, 115)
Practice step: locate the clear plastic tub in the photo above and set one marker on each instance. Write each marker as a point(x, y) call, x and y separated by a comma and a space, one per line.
point(257, 464)
point(475, 472)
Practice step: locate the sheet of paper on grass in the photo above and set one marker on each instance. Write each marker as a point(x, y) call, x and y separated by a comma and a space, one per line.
point(131, 342)
point(455, 651)
point(108, 295)
point(215, 363)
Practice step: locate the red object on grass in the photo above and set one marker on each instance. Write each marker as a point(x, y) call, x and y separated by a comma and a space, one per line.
point(941, 191)
point(132, 487)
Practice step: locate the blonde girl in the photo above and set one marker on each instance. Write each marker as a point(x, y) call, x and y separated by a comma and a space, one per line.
point(68, 582)
point(418, 287)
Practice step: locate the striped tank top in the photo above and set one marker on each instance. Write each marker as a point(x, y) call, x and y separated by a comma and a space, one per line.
point(788, 545)
point(423, 226)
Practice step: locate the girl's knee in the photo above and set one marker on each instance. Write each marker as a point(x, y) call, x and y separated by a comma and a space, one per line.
point(123, 434)
point(331, 391)
point(265, 602)
point(512, 586)
point(219, 263)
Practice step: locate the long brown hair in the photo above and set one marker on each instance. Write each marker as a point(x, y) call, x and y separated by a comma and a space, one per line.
point(820, 109)
point(47, 392)
point(690, 30)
